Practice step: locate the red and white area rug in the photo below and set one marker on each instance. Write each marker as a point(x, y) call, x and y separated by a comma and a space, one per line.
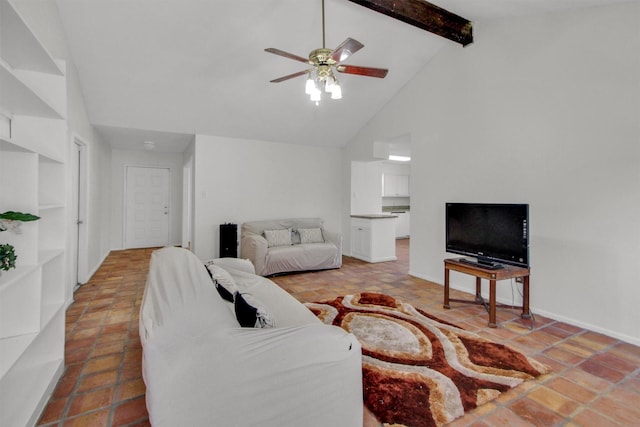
point(419, 370)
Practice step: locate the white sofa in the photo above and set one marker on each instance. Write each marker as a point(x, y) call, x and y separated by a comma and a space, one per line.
point(202, 369)
point(270, 258)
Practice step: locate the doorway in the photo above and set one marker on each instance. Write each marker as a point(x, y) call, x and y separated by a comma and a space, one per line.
point(187, 204)
point(147, 209)
point(79, 206)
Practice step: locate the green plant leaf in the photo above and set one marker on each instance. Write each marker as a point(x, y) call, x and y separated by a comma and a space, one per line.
point(19, 216)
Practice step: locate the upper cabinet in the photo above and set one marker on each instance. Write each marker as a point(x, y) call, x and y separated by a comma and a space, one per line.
point(395, 185)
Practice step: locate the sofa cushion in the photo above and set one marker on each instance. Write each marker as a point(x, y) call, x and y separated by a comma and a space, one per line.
point(278, 237)
point(308, 256)
point(225, 284)
point(251, 313)
point(310, 235)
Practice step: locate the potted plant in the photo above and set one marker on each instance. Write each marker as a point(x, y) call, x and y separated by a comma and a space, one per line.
point(11, 221)
point(7, 257)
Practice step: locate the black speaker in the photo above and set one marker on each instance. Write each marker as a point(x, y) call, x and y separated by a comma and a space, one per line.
point(228, 240)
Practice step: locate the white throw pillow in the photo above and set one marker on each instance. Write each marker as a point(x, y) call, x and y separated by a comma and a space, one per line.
point(222, 278)
point(310, 235)
point(278, 237)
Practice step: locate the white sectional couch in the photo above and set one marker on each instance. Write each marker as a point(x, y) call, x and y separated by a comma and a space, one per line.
point(265, 243)
point(202, 369)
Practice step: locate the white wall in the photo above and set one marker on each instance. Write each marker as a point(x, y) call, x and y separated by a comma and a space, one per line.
point(543, 110)
point(366, 187)
point(123, 158)
point(239, 180)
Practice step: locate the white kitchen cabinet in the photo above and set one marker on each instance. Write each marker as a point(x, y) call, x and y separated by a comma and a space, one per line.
point(395, 185)
point(402, 224)
point(360, 239)
point(373, 237)
point(33, 152)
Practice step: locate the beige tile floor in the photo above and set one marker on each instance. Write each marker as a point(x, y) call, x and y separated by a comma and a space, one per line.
point(595, 379)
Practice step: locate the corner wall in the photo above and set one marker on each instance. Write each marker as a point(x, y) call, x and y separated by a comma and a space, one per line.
point(541, 110)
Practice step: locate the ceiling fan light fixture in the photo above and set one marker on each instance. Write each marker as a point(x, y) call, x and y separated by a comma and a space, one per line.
point(325, 61)
point(336, 93)
point(310, 86)
point(330, 84)
point(316, 95)
point(399, 158)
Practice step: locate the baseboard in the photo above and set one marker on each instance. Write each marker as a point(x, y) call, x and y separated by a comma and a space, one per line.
point(589, 326)
point(550, 315)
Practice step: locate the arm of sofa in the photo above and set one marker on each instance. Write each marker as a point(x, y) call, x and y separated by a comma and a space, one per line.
point(255, 248)
point(335, 238)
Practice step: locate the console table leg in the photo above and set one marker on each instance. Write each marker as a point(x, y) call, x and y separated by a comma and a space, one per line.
point(479, 290)
point(492, 304)
point(526, 312)
point(446, 288)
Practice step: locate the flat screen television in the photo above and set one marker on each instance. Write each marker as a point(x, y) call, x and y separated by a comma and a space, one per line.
point(494, 234)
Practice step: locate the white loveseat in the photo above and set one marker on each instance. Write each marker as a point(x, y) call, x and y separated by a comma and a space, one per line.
point(202, 369)
point(260, 243)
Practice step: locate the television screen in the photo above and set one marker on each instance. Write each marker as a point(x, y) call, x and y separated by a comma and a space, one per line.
point(495, 234)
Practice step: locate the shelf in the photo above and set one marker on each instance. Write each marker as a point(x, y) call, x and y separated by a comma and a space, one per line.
point(6, 144)
point(52, 286)
point(20, 97)
point(20, 47)
point(51, 232)
point(20, 302)
point(48, 313)
point(49, 159)
point(49, 206)
point(50, 194)
point(45, 137)
point(46, 256)
point(39, 377)
point(7, 278)
point(33, 154)
point(11, 349)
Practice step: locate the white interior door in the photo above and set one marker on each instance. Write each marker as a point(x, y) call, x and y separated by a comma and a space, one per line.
point(187, 201)
point(79, 174)
point(147, 207)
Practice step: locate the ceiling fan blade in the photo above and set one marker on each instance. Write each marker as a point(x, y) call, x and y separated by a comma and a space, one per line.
point(346, 49)
point(287, 55)
point(363, 71)
point(291, 76)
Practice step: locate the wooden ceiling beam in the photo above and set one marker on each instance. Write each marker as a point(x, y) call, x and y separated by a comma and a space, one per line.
point(426, 16)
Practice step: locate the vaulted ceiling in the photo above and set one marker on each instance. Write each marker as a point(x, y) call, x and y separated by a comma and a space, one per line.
point(166, 69)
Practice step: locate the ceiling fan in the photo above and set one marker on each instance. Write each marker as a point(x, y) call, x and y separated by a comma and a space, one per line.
point(321, 77)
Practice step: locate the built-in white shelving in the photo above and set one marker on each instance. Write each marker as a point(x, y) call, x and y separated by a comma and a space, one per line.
point(33, 153)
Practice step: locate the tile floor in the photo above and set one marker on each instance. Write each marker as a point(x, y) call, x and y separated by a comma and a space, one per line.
point(595, 379)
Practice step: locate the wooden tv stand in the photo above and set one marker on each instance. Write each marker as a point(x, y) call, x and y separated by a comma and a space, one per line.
point(493, 275)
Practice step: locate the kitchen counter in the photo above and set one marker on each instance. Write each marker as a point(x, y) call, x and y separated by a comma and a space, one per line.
point(373, 237)
point(373, 216)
